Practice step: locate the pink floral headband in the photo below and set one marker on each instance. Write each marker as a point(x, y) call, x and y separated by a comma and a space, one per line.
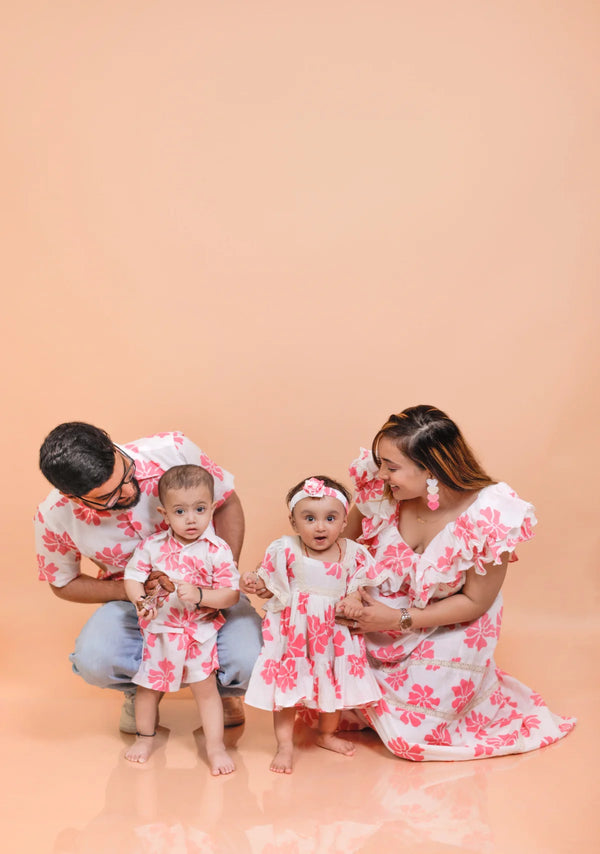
point(315, 488)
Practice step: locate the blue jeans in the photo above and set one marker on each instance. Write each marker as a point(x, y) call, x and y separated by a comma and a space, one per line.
point(108, 650)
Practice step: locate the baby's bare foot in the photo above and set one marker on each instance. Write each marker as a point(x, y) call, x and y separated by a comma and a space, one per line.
point(339, 745)
point(141, 749)
point(220, 761)
point(282, 761)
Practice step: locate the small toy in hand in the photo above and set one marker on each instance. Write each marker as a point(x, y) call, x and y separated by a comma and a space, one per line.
point(160, 586)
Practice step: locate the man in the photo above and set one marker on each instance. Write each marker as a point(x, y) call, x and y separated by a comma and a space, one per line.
point(104, 503)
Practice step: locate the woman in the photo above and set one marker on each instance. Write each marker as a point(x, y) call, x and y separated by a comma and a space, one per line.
point(426, 509)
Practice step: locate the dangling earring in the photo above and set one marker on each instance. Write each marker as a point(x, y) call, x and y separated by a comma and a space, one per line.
point(433, 498)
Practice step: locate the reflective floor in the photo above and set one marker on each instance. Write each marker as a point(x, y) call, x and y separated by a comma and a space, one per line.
point(68, 789)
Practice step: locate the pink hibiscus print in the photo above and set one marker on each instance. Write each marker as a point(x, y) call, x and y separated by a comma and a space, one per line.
point(409, 716)
point(266, 629)
point(88, 515)
point(446, 561)
point(357, 666)
point(397, 557)
point(334, 569)
point(339, 644)
point(490, 524)
point(61, 543)
point(163, 677)
point(483, 750)
point(147, 474)
point(439, 735)
point(529, 723)
point(213, 662)
point(463, 693)
point(296, 644)
point(269, 671)
point(214, 469)
point(397, 679)
point(267, 564)
point(169, 550)
point(477, 724)
point(288, 675)
point(464, 529)
point(318, 635)
point(302, 603)
point(46, 571)
point(131, 527)
point(405, 751)
point(114, 557)
point(289, 563)
point(422, 695)
point(223, 574)
point(284, 624)
point(478, 631)
point(526, 532)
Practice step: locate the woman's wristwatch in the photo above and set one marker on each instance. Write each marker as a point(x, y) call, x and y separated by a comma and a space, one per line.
point(405, 620)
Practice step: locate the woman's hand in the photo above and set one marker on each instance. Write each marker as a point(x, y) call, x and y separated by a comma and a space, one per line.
point(375, 617)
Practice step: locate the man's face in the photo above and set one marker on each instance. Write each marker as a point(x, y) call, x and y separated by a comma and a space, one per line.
point(119, 492)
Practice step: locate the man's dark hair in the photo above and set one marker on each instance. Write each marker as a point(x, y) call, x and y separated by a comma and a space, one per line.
point(77, 457)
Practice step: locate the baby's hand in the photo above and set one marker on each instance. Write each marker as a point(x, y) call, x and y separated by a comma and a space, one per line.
point(146, 608)
point(249, 582)
point(188, 593)
point(350, 607)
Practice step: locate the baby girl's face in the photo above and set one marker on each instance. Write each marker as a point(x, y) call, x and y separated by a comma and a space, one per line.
point(188, 512)
point(319, 522)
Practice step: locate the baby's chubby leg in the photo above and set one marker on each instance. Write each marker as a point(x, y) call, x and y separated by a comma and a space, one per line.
point(146, 707)
point(283, 722)
point(328, 724)
point(211, 711)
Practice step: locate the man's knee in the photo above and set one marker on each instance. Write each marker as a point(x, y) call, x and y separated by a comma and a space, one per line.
point(239, 644)
point(108, 649)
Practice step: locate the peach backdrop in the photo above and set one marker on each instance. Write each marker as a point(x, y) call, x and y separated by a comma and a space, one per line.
point(271, 224)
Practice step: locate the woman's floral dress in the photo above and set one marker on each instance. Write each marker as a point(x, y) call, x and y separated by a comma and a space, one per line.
point(443, 695)
point(307, 659)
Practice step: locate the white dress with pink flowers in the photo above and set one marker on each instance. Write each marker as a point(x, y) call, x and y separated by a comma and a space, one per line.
point(443, 695)
point(307, 659)
point(179, 648)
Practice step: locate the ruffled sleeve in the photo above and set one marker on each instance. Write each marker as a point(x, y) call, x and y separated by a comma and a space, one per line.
point(275, 570)
point(363, 571)
point(496, 522)
point(377, 510)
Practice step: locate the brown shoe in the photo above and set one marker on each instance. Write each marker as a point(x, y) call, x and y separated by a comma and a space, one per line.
point(233, 711)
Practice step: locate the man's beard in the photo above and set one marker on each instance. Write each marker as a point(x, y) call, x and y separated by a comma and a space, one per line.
point(129, 502)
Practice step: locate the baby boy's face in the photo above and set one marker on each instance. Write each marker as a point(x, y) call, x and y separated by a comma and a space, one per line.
point(188, 512)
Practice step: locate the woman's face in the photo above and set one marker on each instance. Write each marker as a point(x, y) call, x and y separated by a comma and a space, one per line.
point(405, 479)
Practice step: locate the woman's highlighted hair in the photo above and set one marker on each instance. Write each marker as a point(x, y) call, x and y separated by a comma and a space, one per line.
point(431, 439)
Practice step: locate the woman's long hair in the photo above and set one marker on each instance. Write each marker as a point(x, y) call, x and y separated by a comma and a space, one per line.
point(431, 439)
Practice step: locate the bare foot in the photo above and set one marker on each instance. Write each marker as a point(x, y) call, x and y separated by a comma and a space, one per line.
point(141, 749)
point(220, 761)
point(339, 745)
point(282, 761)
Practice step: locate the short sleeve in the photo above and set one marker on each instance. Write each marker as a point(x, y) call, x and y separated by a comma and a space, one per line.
point(224, 571)
point(58, 557)
point(377, 510)
point(275, 570)
point(140, 565)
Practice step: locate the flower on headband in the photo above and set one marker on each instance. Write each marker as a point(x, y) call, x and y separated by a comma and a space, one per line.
point(314, 487)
